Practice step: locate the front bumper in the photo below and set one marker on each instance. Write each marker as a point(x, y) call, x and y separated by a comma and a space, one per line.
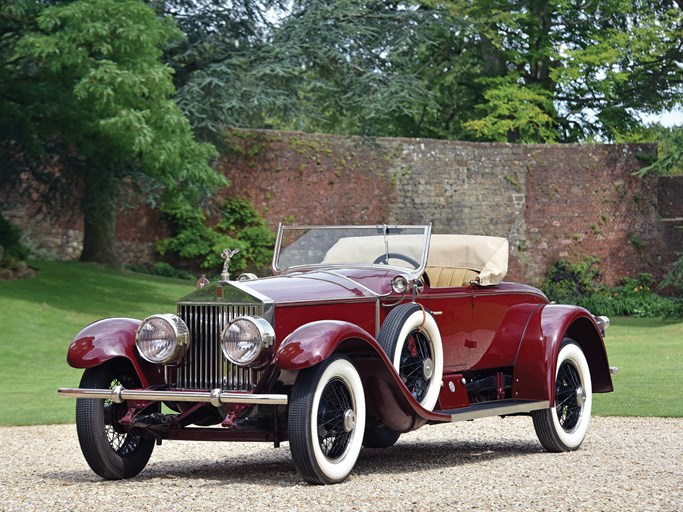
point(215, 397)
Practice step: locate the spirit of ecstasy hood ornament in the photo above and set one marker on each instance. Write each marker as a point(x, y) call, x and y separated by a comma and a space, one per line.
point(227, 254)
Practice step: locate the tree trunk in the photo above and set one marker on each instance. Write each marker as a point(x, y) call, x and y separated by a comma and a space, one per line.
point(99, 215)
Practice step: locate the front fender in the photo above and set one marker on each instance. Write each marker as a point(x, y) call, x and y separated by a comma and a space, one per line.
point(109, 339)
point(312, 343)
point(535, 365)
point(389, 399)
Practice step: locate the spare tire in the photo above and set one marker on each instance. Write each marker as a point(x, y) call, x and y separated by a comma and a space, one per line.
point(411, 340)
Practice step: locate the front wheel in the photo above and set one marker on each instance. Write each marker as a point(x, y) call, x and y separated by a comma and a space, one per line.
point(563, 428)
point(110, 451)
point(327, 420)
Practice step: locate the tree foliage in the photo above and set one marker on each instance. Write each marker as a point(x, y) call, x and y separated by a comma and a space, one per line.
point(519, 71)
point(199, 241)
point(97, 93)
point(86, 85)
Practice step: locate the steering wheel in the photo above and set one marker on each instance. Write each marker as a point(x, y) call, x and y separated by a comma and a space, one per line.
point(384, 258)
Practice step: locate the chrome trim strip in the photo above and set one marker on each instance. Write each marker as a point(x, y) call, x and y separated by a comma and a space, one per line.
point(378, 309)
point(215, 397)
point(478, 412)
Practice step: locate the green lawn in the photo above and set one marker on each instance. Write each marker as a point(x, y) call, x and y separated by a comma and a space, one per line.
point(649, 355)
point(39, 317)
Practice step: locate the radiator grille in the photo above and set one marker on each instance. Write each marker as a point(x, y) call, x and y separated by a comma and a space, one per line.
point(205, 366)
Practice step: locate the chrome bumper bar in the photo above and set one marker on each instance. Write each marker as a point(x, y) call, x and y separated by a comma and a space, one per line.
point(214, 397)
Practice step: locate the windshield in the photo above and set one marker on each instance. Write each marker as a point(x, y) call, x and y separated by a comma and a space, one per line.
point(344, 246)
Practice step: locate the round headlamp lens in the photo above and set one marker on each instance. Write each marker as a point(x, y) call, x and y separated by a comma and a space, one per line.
point(162, 339)
point(246, 339)
point(399, 284)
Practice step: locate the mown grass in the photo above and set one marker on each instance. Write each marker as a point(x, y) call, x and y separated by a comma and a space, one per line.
point(39, 317)
point(649, 355)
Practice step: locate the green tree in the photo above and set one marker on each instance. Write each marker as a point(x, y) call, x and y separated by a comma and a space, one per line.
point(332, 66)
point(569, 70)
point(504, 70)
point(87, 80)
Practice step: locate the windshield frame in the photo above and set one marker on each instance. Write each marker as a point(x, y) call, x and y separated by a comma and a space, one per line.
point(373, 230)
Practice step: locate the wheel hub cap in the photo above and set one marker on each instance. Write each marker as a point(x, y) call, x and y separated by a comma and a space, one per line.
point(427, 368)
point(349, 420)
point(581, 396)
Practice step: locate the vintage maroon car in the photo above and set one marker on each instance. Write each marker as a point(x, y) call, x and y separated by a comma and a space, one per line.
point(363, 333)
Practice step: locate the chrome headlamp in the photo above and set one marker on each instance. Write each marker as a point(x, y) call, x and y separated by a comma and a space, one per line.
point(162, 339)
point(246, 339)
point(399, 284)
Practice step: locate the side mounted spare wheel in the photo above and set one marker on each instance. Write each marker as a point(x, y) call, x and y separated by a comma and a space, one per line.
point(411, 339)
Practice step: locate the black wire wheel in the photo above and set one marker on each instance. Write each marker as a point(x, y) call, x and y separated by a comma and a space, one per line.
point(327, 420)
point(562, 428)
point(412, 341)
point(109, 449)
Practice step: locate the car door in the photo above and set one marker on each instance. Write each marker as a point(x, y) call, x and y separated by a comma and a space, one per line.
point(452, 309)
point(499, 316)
point(489, 308)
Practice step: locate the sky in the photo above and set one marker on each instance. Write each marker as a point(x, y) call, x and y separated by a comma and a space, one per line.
point(668, 119)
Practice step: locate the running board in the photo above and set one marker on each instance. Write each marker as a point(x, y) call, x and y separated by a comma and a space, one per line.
point(495, 408)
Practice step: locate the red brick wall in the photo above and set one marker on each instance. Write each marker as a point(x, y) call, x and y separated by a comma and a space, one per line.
point(309, 179)
point(550, 201)
point(585, 201)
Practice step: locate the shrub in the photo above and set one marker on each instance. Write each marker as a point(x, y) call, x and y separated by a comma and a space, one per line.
point(12, 249)
point(579, 283)
point(238, 226)
point(567, 282)
point(163, 269)
point(674, 277)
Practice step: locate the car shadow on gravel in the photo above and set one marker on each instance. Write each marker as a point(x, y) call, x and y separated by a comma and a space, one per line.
point(274, 467)
point(425, 455)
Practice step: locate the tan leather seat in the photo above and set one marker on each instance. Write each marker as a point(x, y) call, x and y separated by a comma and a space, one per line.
point(443, 277)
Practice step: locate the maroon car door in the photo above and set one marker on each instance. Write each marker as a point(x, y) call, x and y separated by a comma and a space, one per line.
point(452, 309)
point(499, 315)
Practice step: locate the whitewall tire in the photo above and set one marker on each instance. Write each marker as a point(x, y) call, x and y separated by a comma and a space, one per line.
point(562, 428)
point(412, 341)
point(327, 420)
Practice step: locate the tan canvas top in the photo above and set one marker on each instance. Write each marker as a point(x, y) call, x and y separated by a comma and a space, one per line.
point(484, 254)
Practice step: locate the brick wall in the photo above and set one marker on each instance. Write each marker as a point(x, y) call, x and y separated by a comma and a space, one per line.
point(550, 201)
point(670, 211)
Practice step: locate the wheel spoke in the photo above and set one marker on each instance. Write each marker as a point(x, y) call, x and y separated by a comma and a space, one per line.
point(334, 402)
point(566, 400)
point(121, 441)
point(411, 370)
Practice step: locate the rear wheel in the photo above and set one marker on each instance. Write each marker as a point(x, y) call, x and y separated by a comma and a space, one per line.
point(327, 420)
point(563, 428)
point(110, 450)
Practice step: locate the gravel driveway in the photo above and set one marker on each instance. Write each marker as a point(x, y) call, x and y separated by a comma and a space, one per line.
point(490, 464)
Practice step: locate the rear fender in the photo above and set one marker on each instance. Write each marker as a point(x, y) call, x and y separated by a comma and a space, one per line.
point(535, 365)
point(109, 339)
